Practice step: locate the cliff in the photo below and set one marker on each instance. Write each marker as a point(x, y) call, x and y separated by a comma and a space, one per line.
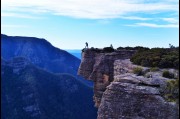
point(120, 94)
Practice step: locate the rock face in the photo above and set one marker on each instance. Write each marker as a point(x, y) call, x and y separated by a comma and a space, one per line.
point(99, 68)
point(133, 97)
point(120, 94)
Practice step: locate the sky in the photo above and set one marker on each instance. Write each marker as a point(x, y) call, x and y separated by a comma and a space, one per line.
point(68, 24)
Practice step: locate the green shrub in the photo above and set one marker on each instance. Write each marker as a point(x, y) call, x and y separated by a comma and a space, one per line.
point(139, 48)
point(176, 64)
point(120, 48)
point(167, 74)
point(153, 69)
point(108, 49)
point(138, 71)
point(172, 90)
point(157, 57)
point(144, 62)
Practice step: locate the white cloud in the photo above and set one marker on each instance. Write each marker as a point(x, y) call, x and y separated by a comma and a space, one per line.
point(135, 18)
point(92, 9)
point(19, 15)
point(171, 20)
point(14, 26)
point(155, 25)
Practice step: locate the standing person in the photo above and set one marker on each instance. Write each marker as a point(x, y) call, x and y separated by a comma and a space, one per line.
point(86, 45)
point(111, 46)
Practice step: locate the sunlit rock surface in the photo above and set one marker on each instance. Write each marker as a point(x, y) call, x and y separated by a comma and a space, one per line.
point(120, 94)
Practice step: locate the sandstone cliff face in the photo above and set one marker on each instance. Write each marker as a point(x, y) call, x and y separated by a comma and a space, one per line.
point(120, 94)
point(99, 68)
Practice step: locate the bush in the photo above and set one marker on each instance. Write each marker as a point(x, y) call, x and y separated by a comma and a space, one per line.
point(138, 71)
point(167, 74)
point(140, 48)
point(172, 90)
point(157, 57)
point(108, 49)
point(176, 64)
point(144, 62)
point(120, 48)
point(153, 69)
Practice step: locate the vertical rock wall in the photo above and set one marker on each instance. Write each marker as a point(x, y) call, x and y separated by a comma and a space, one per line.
point(99, 67)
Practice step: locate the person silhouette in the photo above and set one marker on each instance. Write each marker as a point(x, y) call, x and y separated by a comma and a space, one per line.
point(86, 45)
point(111, 46)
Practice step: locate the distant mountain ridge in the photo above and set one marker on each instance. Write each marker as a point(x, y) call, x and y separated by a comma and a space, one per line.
point(41, 53)
point(29, 92)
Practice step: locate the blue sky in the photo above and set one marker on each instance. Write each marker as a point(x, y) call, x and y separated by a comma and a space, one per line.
point(68, 24)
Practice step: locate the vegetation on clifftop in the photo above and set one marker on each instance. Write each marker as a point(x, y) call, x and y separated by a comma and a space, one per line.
point(154, 57)
point(157, 57)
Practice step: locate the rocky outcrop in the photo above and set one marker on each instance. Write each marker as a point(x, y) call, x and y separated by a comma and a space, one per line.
point(134, 97)
point(120, 94)
point(99, 67)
